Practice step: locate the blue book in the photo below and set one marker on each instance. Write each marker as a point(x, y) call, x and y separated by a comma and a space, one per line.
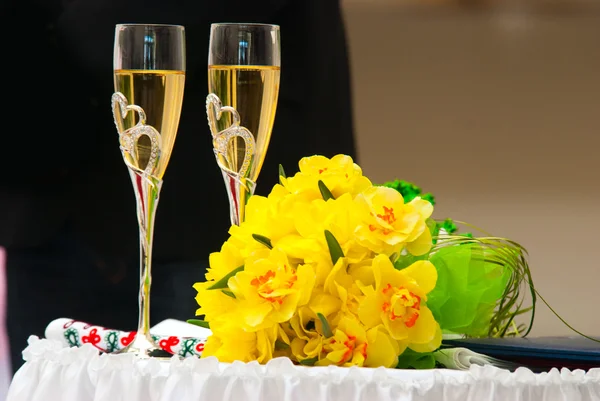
point(537, 353)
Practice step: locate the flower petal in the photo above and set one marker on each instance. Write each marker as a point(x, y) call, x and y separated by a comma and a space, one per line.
point(382, 349)
point(431, 346)
point(369, 311)
point(424, 273)
point(255, 315)
point(421, 245)
point(396, 328)
point(424, 330)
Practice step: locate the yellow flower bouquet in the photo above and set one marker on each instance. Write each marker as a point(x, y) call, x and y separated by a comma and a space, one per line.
point(331, 269)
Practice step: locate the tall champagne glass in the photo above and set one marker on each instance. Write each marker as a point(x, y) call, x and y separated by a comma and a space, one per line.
point(149, 78)
point(243, 80)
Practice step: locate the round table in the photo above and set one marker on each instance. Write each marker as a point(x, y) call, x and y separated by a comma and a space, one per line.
point(55, 372)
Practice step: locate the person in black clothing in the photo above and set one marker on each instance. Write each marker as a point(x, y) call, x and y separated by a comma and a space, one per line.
point(67, 208)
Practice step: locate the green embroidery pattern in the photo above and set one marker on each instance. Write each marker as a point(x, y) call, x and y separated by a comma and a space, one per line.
point(112, 341)
point(187, 348)
point(72, 337)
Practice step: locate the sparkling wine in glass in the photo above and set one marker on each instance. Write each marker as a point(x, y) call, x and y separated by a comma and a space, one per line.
point(243, 80)
point(149, 78)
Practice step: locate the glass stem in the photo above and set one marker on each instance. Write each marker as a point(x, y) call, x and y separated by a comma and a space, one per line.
point(147, 191)
point(239, 191)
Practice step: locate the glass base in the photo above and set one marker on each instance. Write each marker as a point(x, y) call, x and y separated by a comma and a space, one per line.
point(143, 347)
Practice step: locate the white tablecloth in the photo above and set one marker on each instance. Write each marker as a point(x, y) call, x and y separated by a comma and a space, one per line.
point(53, 372)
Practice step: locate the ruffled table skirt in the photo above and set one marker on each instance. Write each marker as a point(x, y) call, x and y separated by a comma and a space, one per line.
point(53, 372)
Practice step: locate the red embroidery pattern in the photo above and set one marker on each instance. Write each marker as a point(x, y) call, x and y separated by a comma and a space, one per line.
point(127, 340)
point(92, 338)
point(166, 344)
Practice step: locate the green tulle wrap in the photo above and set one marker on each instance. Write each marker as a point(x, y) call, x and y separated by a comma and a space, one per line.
point(469, 287)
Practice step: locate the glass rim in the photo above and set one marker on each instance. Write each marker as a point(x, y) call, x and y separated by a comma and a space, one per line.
point(242, 24)
point(135, 24)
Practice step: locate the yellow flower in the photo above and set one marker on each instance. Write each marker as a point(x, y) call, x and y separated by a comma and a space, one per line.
point(389, 224)
point(347, 347)
point(299, 249)
point(362, 272)
point(213, 303)
point(352, 345)
point(297, 326)
point(398, 302)
point(343, 288)
point(383, 350)
point(340, 216)
point(278, 303)
point(265, 216)
point(306, 349)
point(230, 343)
point(236, 345)
point(223, 262)
point(324, 303)
point(340, 174)
point(269, 290)
point(305, 342)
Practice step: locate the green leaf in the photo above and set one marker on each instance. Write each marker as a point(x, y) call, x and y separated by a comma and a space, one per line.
point(228, 293)
point(309, 361)
point(416, 360)
point(325, 192)
point(279, 345)
point(198, 322)
point(263, 240)
point(326, 328)
point(281, 173)
point(335, 250)
point(429, 198)
point(222, 283)
point(406, 260)
point(449, 226)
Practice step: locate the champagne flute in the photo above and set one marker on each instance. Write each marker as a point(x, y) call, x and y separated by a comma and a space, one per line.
point(243, 80)
point(149, 78)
